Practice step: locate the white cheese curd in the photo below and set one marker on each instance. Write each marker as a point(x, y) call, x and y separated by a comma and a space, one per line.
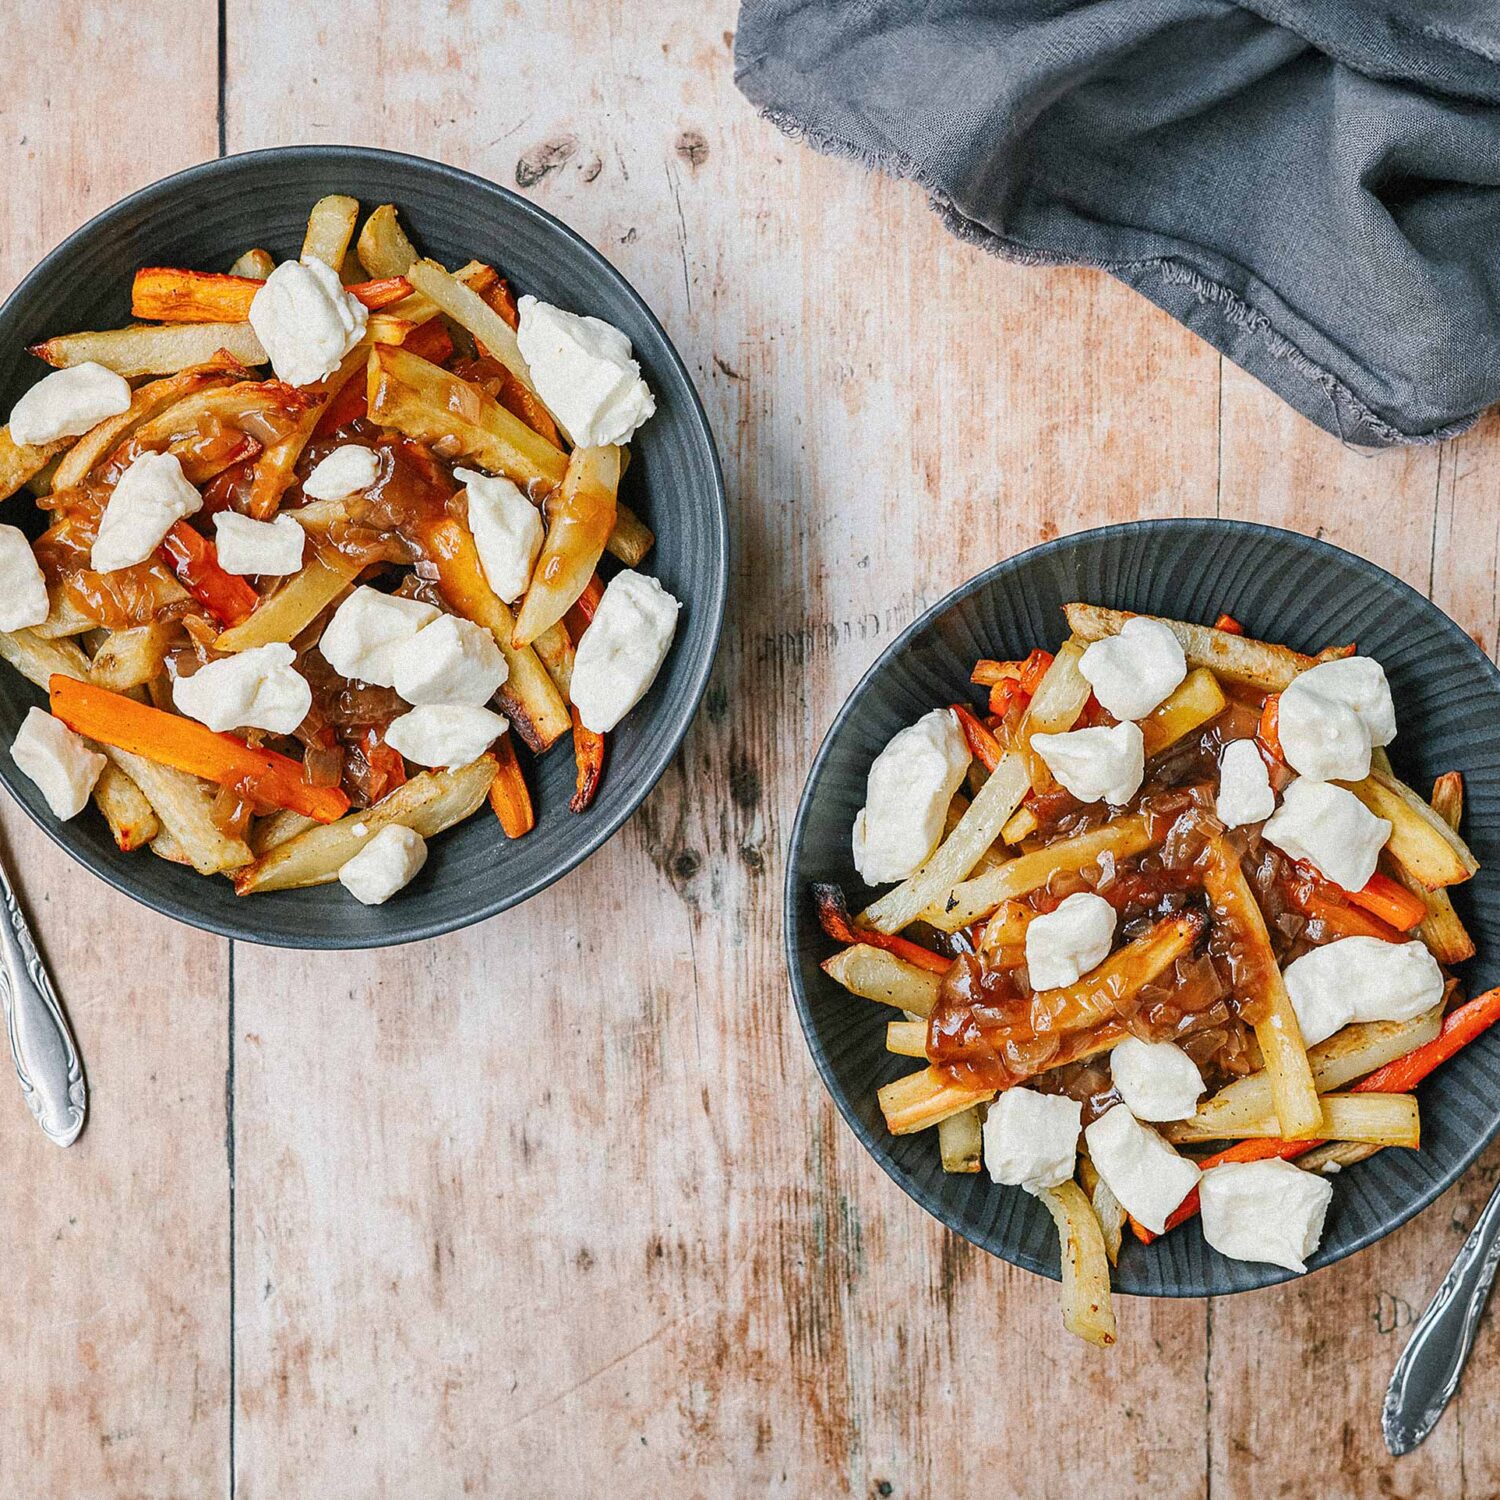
point(366, 631)
point(346, 471)
point(270, 549)
point(1065, 944)
point(1157, 1080)
point(1148, 1177)
point(60, 762)
point(1361, 979)
point(1268, 1211)
point(622, 650)
point(1330, 716)
point(255, 689)
point(1331, 829)
point(153, 495)
point(907, 794)
point(1245, 794)
point(450, 661)
point(1132, 672)
point(67, 403)
point(388, 862)
point(507, 530)
point(1096, 764)
point(305, 320)
point(584, 374)
point(1031, 1139)
point(23, 590)
point(445, 734)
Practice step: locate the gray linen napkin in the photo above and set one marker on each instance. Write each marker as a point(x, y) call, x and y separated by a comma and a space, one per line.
point(1313, 188)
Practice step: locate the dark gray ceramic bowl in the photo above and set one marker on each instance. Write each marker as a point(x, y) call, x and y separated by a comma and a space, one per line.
point(204, 218)
point(1284, 587)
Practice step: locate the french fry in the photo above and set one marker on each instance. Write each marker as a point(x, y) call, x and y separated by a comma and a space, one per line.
point(185, 745)
point(1196, 700)
point(874, 974)
point(146, 349)
point(330, 228)
point(469, 310)
point(428, 804)
point(1349, 1054)
point(932, 885)
point(132, 822)
point(975, 899)
point(1276, 1028)
point(1334, 1156)
point(528, 696)
point(270, 832)
point(65, 617)
point(147, 402)
point(130, 658)
point(1421, 842)
point(1239, 658)
point(184, 806)
point(961, 1142)
point(435, 406)
point(906, 1038)
point(384, 249)
point(1107, 1208)
point(294, 606)
point(1447, 797)
point(580, 517)
point(833, 918)
point(256, 264)
point(1380, 1119)
point(22, 461)
point(631, 539)
point(167, 846)
point(1088, 1310)
point(921, 1100)
point(1055, 706)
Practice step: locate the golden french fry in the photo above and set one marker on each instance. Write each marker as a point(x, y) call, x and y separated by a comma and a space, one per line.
point(21, 461)
point(429, 803)
point(874, 974)
point(132, 822)
point(1196, 699)
point(1088, 1310)
point(580, 517)
point(1276, 1028)
point(130, 658)
point(294, 606)
point(961, 1142)
point(469, 310)
point(1421, 842)
point(256, 264)
point(330, 227)
point(906, 1038)
point(148, 349)
point(384, 249)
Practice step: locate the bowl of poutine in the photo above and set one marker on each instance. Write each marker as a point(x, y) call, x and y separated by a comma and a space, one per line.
point(1142, 908)
point(364, 547)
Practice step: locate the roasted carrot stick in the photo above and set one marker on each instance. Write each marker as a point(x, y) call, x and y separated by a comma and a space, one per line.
point(833, 917)
point(588, 751)
point(1390, 902)
point(195, 561)
point(508, 794)
point(263, 776)
point(1229, 625)
point(1268, 733)
point(167, 294)
point(983, 745)
point(581, 615)
point(1460, 1027)
point(1334, 907)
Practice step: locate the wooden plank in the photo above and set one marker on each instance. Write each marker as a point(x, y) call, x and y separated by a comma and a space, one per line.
point(114, 1330)
point(542, 1179)
point(1301, 1369)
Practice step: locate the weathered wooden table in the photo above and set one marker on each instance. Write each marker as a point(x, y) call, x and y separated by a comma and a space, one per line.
point(557, 1206)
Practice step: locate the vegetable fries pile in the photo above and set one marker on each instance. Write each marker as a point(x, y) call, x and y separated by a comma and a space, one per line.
point(1225, 961)
point(349, 479)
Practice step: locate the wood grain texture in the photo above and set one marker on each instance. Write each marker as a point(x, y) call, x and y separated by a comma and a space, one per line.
point(557, 1206)
point(114, 1303)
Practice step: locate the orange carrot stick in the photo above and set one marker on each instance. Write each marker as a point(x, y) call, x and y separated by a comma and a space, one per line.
point(1390, 902)
point(983, 745)
point(1229, 625)
point(1269, 731)
point(1460, 1027)
point(833, 917)
point(508, 793)
point(195, 561)
point(167, 294)
point(588, 751)
point(262, 776)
